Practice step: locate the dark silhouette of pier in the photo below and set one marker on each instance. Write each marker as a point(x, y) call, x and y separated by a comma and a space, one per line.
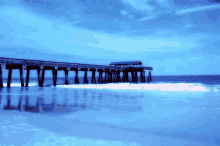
point(112, 71)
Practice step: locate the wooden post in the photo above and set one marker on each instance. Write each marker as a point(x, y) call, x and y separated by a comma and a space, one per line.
point(142, 76)
point(41, 77)
point(85, 77)
point(100, 77)
point(118, 76)
point(54, 77)
point(66, 77)
point(76, 77)
point(1, 79)
point(27, 77)
point(9, 77)
point(42, 81)
point(133, 76)
point(149, 77)
point(136, 77)
point(93, 77)
point(125, 76)
point(114, 76)
point(110, 76)
point(21, 77)
point(106, 75)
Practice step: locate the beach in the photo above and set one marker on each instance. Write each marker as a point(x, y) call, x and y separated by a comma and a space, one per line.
point(114, 114)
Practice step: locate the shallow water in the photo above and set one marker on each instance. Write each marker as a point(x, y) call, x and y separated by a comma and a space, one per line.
point(114, 114)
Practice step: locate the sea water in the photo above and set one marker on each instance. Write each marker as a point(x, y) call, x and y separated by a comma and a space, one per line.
point(163, 112)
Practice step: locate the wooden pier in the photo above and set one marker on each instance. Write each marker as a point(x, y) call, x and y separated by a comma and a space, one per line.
point(112, 71)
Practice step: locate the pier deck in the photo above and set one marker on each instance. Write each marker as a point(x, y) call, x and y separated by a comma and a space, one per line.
point(112, 73)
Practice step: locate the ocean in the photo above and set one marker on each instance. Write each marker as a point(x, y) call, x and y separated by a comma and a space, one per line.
point(169, 111)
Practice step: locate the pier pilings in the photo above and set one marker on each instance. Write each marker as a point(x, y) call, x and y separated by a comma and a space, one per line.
point(85, 77)
point(125, 76)
point(106, 77)
point(118, 76)
point(41, 73)
point(54, 77)
point(21, 77)
point(27, 77)
point(142, 76)
point(66, 77)
point(9, 77)
point(93, 77)
point(149, 77)
point(136, 77)
point(76, 77)
point(100, 80)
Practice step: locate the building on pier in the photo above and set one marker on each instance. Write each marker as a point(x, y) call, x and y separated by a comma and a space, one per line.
point(107, 73)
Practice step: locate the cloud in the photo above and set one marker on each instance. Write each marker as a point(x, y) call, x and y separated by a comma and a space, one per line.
point(196, 9)
point(140, 5)
point(164, 3)
point(123, 12)
point(146, 18)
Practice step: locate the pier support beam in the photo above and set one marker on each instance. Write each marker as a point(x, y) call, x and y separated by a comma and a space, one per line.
point(1, 79)
point(9, 77)
point(27, 77)
point(40, 73)
point(136, 76)
point(110, 76)
point(142, 76)
point(76, 77)
point(66, 77)
point(106, 75)
point(125, 76)
point(54, 77)
point(133, 76)
point(149, 77)
point(100, 77)
point(118, 76)
point(85, 77)
point(21, 76)
point(93, 77)
point(114, 77)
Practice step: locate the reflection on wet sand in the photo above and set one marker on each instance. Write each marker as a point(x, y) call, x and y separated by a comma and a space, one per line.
point(77, 99)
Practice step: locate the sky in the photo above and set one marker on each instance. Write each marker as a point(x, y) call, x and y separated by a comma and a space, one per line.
point(175, 37)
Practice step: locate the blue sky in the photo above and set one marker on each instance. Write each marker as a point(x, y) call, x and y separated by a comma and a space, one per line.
point(175, 37)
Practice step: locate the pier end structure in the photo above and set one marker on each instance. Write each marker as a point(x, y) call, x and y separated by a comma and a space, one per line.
point(133, 67)
point(112, 71)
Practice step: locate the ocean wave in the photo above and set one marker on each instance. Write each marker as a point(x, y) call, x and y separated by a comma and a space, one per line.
point(140, 86)
point(19, 84)
point(152, 86)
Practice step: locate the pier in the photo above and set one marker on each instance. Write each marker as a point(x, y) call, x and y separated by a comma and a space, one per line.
point(106, 73)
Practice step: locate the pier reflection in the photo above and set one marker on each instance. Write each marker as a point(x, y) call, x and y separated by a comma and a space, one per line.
point(1, 96)
point(64, 100)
